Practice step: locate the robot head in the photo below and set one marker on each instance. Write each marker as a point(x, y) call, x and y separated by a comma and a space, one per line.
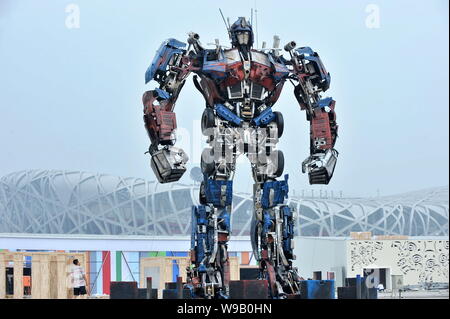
point(241, 33)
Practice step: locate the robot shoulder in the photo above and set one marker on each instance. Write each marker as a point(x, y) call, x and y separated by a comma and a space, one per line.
point(260, 57)
point(163, 56)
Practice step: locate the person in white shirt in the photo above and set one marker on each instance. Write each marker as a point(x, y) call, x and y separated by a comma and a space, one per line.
point(79, 280)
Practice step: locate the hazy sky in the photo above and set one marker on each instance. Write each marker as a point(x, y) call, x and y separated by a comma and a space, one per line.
point(70, 98)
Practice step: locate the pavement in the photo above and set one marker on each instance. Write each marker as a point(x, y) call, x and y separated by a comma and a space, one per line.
point(419, 294)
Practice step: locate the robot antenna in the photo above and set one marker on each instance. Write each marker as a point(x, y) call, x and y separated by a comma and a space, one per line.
point(226, 26)
point(256, 26)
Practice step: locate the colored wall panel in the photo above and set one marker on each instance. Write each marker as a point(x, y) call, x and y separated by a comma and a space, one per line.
point(118, 266)
point(106, 256)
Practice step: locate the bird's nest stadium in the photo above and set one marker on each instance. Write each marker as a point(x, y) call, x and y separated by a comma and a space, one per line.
point(82, 203)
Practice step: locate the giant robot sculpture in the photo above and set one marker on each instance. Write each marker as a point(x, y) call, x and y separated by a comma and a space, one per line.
point(240, 86)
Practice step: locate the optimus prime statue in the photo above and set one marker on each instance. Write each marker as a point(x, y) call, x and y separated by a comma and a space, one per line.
point(240, 86)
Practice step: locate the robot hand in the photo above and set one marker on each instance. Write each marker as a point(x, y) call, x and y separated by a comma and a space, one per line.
point(168, 163)
point(320, 166)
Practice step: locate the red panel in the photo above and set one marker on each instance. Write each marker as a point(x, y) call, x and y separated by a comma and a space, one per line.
point(320, 128)
point(106, 256)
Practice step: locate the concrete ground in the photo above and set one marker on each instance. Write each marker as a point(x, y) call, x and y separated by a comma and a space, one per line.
point(420, 294)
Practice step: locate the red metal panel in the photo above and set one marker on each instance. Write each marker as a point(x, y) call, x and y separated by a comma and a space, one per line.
point(106, 256)
point(320, 128)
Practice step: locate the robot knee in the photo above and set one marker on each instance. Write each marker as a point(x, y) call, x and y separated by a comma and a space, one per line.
point(274, 192)
point(216, 192)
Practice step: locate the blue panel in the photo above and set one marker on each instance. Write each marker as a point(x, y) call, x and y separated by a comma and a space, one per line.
point(167, 49)
point(98, 263)
point(199, 238)
point(213, 192)
point(265, 117)
point(162, 94)
point(226, 114)
point(324, 102)
point(175, 270)
point(225, 216)
point(267, 222)
point(314, 58)
point(281, 70)
point(179, 254)
point(288, 229)
point(175, 43)
point(175, 266)
point(28, 261)
point(280, 189)
point(305, 50)
point(193, 226)
point(215, 68)
point(319, 289)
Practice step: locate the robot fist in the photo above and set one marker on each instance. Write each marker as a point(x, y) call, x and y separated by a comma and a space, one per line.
point(169, 164)
point(320, 166)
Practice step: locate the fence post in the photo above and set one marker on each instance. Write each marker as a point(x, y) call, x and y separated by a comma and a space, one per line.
point(149, 288)
point(358, 286)
point(179, 287)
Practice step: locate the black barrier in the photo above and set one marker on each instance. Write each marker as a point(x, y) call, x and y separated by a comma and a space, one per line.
point(173, 294)
point(317, 289)
point(249, 273)
point(142, 293)
point(350, 291)
point(123, 290)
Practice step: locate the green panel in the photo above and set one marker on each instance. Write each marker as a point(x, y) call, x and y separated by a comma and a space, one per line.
point(118, 266)
point(157, 254)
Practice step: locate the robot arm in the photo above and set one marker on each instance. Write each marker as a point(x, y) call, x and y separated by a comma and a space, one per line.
point(170, 68)
point(313, 79)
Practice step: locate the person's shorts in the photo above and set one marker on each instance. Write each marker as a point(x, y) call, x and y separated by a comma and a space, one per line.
point(77, 291)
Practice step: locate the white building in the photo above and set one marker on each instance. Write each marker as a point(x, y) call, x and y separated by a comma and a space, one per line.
point(419, 260)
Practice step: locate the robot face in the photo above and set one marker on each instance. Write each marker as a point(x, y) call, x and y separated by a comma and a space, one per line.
point(241, 33)
point(243, 37)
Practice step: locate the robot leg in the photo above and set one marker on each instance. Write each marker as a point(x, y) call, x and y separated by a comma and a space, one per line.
point(209, 274)
point(272, 230)
point(210, 271)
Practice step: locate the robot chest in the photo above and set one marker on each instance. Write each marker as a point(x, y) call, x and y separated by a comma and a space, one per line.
point(257, 70)
point(237, 77)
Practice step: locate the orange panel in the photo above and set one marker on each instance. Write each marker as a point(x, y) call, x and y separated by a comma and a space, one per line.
point(245, 258)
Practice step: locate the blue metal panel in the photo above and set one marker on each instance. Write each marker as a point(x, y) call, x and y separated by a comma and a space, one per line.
point(199, 234)
point(225, 216)
point(310, 55)
point(265, 117)
point(280, 189)
point(215, 68)
point(324, 102)
point(267, 222)
point(281, 70)
point(193, 226)
point(226, 114)
point(167, 49)
point(305, 50)
point(213, 192)
point(162, 94)
point(288, 229)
